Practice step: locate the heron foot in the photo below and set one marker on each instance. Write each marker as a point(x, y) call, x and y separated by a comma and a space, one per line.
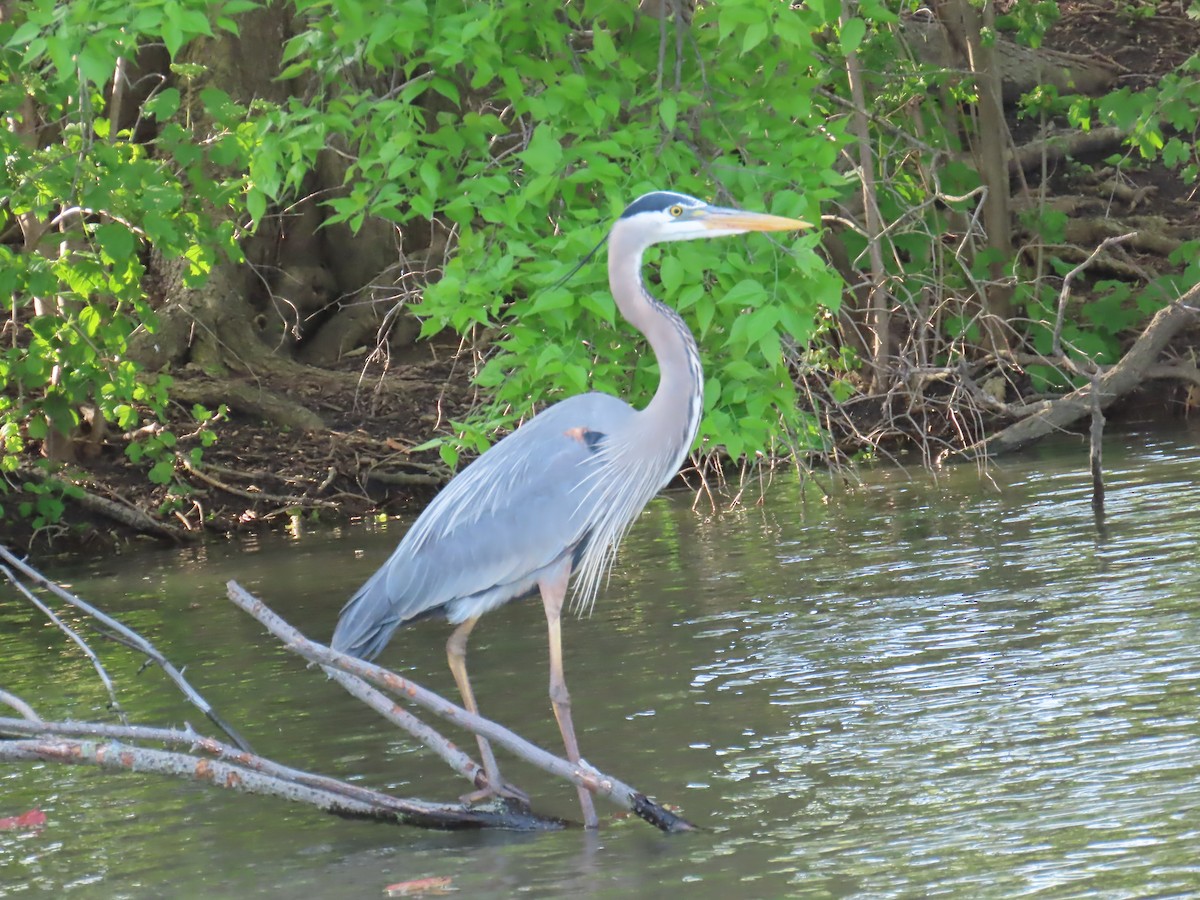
point(505, 792)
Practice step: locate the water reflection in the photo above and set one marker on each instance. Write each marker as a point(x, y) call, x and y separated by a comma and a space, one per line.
point(925, 685)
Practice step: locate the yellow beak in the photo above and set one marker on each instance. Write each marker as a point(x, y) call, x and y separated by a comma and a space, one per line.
point(717, 218)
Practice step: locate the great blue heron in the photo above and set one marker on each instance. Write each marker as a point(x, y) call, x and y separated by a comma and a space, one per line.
point(556, 496)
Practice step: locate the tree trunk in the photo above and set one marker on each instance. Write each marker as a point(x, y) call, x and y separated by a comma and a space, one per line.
point(214, 324)
point(964, 24)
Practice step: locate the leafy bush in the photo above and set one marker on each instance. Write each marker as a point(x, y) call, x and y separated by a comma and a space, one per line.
point(91, 203)
point(528, 133)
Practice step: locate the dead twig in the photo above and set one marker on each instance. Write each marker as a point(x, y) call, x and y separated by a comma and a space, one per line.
point(290, 502)
point(1065, 293)
point(20, 706)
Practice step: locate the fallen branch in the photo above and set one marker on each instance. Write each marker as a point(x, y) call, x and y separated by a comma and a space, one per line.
point(228, 767)
point(1176, 371)
point(582, 774)
point(325, 794)
point(119, 747)
point(1112, 383)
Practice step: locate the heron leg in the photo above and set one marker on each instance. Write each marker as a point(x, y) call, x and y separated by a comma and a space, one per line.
point(554, 591)
point(456, 655)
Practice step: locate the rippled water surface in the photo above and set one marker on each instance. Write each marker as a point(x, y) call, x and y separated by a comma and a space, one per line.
point(917, 686)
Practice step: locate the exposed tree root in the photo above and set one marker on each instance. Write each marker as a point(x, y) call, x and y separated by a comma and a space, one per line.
point(248, 399)
point(1054, 148)
point(121, 511)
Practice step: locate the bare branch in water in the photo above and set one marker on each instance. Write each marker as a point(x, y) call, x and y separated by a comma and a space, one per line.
point(582, 775)
point(237, 770)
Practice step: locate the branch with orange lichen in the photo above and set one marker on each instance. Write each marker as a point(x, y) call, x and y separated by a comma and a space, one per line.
point(237, 770)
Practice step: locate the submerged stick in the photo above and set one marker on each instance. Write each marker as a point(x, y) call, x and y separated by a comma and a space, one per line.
point(582, 774)
point(459, 761)
point(1095, 455)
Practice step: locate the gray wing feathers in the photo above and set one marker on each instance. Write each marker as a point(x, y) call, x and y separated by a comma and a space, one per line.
point(511, 513)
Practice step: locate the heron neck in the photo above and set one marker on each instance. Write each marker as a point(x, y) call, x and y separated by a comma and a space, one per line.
point(679, 399)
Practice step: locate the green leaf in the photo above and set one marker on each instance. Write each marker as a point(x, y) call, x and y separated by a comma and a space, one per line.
point(172, 35)
point(755, 34)
point(23, 35)
point(603, 48)
point(96, 63)
point(544, 152)
point(163, 105)
point(116, 241)
point(746, 292)
point(162, 471)
point(668, 109)
point(853, 32)
point(89, 321)
point(551, 299)
point(256, 204)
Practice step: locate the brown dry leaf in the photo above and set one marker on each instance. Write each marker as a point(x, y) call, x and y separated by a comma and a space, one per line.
point(441, 885)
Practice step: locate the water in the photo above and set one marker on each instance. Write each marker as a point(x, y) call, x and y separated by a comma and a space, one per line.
point(920, 686)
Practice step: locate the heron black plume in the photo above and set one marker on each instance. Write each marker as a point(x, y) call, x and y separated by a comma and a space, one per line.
point(579, 265)
point(651, 202)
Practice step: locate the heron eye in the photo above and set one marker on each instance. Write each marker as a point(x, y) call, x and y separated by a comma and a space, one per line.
point(676, 211)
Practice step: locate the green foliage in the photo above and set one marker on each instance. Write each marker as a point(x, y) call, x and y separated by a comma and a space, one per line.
point(522, 130)
point(1029, 20)
point(583, 108)
point(91, 203)
point(47, 501)
point(1044, 100)
point(1162, 121)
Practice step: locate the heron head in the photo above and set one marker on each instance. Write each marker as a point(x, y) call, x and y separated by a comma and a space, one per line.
point(667, 216)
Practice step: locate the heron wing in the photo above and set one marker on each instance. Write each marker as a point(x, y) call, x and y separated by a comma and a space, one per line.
point(486, 538)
